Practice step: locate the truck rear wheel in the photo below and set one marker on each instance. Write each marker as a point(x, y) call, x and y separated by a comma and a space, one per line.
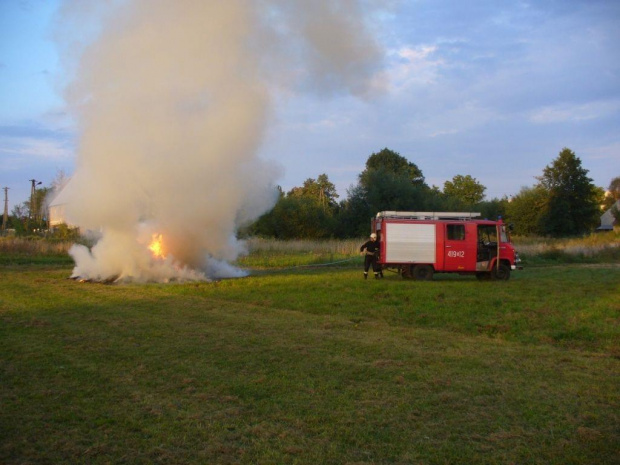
point(423, 272)
point(405, 271)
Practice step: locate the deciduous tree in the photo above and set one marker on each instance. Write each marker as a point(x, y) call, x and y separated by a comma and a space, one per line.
point(465, 188)
point(321, 190)
point(305, 212)
point(572, 205)
point(392, 162)
point(525, 210)
point(613, 193)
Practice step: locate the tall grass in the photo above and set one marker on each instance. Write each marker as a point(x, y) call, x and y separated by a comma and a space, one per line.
point(334, 246)
point(33, 246)
point(603, 247)
point(594, 247)
point(268, 253)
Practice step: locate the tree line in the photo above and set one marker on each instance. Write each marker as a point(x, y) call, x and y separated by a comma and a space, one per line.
point(564, 202)
point(31, 216)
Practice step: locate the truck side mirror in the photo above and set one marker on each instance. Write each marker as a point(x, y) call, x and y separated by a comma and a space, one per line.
point(511, 227)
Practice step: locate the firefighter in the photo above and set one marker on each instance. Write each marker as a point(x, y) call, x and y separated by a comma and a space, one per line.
point(370, 250)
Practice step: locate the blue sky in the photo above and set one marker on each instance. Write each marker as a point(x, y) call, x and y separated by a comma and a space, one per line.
point(493, 89)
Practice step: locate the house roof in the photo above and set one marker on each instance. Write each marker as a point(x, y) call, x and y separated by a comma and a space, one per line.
point(607, 219)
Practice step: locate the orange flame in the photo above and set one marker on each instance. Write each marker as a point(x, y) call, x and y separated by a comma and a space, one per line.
point(157, 246)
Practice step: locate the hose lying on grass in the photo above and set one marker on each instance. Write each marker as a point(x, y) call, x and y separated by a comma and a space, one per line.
point(313, 265)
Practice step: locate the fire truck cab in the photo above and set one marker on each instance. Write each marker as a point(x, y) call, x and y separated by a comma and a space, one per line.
point(419, 244)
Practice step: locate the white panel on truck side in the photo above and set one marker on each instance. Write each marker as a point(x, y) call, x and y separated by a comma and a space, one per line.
point(410, 243)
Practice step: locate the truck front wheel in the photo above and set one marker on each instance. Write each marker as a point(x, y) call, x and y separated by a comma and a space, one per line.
point(423, 272)
point(501, 273)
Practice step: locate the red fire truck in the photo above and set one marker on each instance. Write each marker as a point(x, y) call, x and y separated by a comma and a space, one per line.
point(419, 244)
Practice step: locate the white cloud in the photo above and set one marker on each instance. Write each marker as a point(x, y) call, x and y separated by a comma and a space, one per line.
point(450, 121)
point(566, 112)
point(413, 67)
point(28, 147)
point(329, 123)
point(604, 152)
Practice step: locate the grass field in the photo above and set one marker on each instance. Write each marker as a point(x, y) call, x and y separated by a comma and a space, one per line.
point(311, 366)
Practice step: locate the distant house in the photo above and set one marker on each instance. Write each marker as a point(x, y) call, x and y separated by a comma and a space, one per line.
point(56, 207)
point(607, 219)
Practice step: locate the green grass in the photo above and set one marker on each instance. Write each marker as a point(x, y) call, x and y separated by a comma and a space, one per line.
point(311, 366)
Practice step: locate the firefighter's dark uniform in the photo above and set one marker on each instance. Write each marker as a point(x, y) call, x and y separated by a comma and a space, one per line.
point(371, 254)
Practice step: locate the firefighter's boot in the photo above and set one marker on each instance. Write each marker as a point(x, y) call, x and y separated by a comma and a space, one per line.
point(365, 275)
point(376, 275)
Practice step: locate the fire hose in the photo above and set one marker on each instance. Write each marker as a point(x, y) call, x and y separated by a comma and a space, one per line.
point(314, 265)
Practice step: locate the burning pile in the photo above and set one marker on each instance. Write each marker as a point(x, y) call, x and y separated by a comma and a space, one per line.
point(172, 99)
point(156, 246)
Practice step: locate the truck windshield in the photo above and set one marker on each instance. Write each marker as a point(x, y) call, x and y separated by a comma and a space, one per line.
point(487, 234)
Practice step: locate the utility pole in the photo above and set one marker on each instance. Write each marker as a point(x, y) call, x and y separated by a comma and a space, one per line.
point(32, 214)
point(5, 217)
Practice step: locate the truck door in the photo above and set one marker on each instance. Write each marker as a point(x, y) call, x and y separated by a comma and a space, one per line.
point(459, 254)
point(487, 245)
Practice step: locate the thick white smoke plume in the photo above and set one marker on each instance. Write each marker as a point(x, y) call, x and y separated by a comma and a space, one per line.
point(172, 98)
